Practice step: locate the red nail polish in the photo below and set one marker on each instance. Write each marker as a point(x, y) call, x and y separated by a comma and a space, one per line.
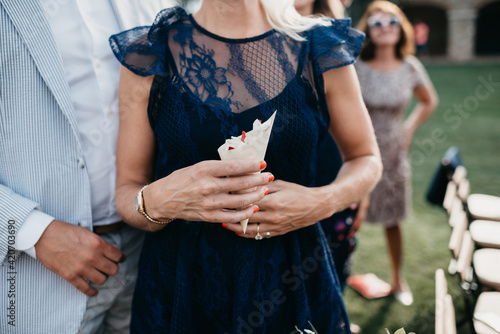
point(271, 178)
point(256, 209)
point(263, 164)
point(224, 225)
point(237, 233)
point(266, 192)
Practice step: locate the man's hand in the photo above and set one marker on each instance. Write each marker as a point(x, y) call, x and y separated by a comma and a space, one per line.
point(75, 253)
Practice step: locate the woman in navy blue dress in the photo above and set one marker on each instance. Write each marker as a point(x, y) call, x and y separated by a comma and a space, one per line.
point(188, 83)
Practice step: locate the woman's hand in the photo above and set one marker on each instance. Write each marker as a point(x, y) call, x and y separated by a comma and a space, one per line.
point(202, 192)
point(288, 207)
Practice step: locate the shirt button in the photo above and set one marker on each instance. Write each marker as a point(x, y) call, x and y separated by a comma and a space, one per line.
point(83, 223)
point(81, 163)
point(110, 111)
point(98, 64)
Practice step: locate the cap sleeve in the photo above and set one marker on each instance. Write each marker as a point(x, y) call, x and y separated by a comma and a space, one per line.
point(143, 50)
point(334, 45)
point(420, 76)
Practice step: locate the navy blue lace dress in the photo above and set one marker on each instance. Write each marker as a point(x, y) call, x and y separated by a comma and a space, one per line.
point(196, 277)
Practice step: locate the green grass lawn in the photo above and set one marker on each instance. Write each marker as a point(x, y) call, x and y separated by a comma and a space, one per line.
point(426, 232)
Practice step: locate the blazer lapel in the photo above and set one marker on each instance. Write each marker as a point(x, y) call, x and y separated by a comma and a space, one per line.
point(29, 19)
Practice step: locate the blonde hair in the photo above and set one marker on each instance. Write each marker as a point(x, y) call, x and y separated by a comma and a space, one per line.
point(283, 17)
point(406, 44)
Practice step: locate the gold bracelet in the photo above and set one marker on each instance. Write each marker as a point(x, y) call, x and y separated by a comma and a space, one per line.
point(139, 206)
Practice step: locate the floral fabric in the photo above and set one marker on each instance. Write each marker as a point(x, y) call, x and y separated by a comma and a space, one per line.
point(386, 95)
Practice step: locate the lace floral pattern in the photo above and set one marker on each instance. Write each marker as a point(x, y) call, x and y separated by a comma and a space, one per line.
point(204, 78)
point(196, 277)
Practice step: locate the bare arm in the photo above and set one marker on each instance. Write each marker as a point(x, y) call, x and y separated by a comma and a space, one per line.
point(351, 127)
point(428, 101)
point(199, 193)
point(135, 145)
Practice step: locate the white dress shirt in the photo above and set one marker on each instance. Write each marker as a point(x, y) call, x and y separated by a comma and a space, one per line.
point(81, 29)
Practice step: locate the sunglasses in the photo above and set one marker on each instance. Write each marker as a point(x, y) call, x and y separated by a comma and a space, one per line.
point(374, 22)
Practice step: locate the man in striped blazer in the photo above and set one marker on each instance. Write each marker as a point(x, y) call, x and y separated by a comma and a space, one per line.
point(62, 243)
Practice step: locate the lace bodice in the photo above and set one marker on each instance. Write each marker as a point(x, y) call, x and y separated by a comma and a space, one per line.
point(219, 79)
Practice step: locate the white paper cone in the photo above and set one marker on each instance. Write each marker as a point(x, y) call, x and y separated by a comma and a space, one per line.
point(253, 146)
point(244, 224)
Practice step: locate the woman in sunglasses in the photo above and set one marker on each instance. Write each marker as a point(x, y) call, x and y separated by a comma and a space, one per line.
point(389, 75)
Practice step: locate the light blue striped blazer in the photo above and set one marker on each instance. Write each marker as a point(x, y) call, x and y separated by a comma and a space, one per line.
point(40, 155)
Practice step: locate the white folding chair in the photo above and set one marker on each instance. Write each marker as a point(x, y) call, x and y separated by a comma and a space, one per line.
point(485, 207)
point(449, 196)
point(485, 233)
point(449, 315)
point(487, 313)
point(445, 312)
point(463, 190)
point(486, 263)
point(459, 222)
point(479, 206)
point(464, 261)
point(459, 175)
point(441, 290)
point(483, 265)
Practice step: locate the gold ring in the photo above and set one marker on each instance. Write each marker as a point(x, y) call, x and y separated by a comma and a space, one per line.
point(268, 235)
point(258, 236)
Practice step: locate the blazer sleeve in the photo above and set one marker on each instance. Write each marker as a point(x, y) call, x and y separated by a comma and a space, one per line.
point(14, 209)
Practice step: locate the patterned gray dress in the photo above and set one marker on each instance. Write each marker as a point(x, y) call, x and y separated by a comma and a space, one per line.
point(386, 95)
